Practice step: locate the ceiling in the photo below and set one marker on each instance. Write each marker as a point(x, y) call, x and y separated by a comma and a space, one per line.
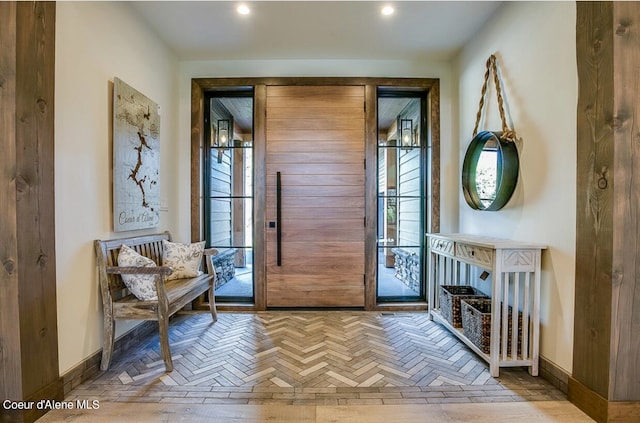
point(213, 30)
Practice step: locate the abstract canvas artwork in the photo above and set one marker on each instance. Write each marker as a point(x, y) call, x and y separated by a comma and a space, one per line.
point(136, 159)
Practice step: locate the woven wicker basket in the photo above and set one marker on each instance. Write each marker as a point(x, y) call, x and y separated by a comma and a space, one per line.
point(450, 296)
point(476, 324)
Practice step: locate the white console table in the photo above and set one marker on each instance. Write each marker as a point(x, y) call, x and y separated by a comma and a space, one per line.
point(514, 269)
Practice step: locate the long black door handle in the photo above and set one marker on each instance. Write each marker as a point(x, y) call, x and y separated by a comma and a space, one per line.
point(278, 218)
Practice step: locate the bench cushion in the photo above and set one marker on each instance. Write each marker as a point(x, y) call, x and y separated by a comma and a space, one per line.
point(184, 259)
point(142, 286)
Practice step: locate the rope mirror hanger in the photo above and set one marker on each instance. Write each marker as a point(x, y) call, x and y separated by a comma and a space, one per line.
point(490, 167)
point(507, 134)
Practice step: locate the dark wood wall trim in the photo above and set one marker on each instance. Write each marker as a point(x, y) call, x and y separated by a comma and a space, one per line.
point(202, 85)
point(90, 366)
point(594, 221)
point(598, 408)
point(260, 195)
point(9, 310)
point(624, 380)
point(593, 404)
point(554, 374)
point(213, 84)
point(434, 139)
point(606, 363)
point(371, 192)
point(28, 312)
point(197, 140)
point(35, 192)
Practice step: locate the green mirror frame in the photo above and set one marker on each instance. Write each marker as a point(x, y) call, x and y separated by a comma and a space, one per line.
point(506, 172)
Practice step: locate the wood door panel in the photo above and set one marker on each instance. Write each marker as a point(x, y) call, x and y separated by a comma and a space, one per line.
point(312, 124)
point(313, 169)
point(312, 202)
point(313, 91)
point(353, 133)
point(279, 147)
point(329, 268)
point(345, 157)
point(319, 266)
point(324, 249)
point(317, 101)
point(317, 213)
point(350, 113)
point(315, 139)
point(315, 190)
point(289, 180)
point(315, 291)
point(298, 230)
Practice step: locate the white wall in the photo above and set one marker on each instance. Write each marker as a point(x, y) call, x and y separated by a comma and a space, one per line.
point(95, 42)
point(337, 68)
point(535, 46)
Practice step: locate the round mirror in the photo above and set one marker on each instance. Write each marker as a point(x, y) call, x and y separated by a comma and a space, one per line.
point(489, 171)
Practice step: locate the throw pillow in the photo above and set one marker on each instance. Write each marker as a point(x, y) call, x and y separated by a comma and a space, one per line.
point(142, 286)
point(184, 259)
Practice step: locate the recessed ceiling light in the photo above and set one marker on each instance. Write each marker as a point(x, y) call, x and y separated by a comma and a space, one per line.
point(388, 10)
point(243, 9)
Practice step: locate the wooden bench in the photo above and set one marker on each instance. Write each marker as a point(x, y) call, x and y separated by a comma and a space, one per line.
point(173, 295)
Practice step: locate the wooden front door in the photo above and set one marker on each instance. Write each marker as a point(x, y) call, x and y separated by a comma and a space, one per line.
point(315, 196)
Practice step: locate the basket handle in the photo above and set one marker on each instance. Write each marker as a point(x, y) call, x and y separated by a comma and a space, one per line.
point(466, 305)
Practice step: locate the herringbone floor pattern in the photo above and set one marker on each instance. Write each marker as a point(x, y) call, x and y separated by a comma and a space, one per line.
point(322, 357)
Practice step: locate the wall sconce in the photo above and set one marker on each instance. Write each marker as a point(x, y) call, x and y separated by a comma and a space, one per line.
point(406, 133)
point(222, 136)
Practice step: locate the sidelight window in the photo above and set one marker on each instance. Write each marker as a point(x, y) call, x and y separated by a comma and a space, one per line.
point(228, 191)
point(401, 196)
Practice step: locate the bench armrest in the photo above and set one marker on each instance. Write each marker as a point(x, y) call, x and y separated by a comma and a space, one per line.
point(210, 252)
point(156, 270)
point(160, 271)
point(211, 268)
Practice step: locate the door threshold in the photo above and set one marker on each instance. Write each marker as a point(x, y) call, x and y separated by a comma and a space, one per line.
point(316, 308)
point(402, 306)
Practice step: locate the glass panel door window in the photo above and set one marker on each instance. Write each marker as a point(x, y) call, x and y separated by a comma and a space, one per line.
point(228, 191)
point(401, 197)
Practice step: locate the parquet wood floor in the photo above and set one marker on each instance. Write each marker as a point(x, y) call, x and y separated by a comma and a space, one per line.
point(304, 358)
point(312, 367)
